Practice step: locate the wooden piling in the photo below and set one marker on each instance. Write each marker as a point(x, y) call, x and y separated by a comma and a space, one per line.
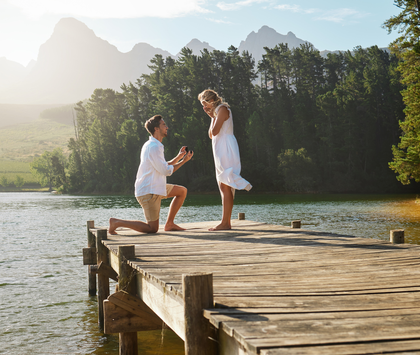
point(296, 224)
point(126, 282)
point(197, 292)
point(103, 280)
point(241, 216)
point(396, 236)
point(91, 274)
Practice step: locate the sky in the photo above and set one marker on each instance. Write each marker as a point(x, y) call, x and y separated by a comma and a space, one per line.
point(171, 24)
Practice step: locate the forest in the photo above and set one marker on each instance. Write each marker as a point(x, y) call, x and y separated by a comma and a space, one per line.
point(304, 123)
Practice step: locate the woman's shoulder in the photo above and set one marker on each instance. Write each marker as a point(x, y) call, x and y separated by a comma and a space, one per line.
point(220, 106)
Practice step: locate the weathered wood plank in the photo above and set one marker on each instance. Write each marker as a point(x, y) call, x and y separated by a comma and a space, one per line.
point(270, 334)
point(136, 306)
point(218, 316)
point(386, 347)
point(119, 320)
point(167, 305)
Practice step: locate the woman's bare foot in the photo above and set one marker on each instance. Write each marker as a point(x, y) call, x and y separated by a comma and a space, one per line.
point(221, 227)
point(112, 226)
point(173, 227)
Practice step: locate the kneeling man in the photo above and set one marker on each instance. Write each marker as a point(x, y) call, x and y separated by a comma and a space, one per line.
point(151, 186)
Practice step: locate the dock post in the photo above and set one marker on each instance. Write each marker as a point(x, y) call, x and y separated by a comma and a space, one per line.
point(197, 291)
point(126, 282)
point(396, 236)
point(103, 280)
point(296, 224)
point(91, 244)
point(241, 215)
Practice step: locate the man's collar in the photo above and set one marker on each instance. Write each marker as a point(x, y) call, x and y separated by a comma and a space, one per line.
point(154, 139)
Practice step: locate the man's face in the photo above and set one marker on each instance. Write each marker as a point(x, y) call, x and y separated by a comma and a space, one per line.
point(163, 128)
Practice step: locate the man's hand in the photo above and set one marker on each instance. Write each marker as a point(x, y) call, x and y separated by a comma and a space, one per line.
point(177, 162)
point(188, 156)
point(182, 151)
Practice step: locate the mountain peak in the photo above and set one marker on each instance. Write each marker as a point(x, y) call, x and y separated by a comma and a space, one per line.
point(267, 37)
point(69, 26)
point(197, 46)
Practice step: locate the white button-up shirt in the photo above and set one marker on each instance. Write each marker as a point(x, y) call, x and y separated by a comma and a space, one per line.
point(153, 170)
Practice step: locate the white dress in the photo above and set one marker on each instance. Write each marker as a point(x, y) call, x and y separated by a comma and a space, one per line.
point(226, 156)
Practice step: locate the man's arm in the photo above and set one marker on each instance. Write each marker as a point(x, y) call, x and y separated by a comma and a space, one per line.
point(187, 157)
point(180, 155)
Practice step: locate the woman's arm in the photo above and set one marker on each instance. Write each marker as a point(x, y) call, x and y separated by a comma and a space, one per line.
point(211, 125)
point(222, 116)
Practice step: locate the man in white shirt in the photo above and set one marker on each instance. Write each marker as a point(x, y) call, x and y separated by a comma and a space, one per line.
point(151, 186)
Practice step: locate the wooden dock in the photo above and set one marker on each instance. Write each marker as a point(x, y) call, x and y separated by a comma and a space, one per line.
point(262, 289)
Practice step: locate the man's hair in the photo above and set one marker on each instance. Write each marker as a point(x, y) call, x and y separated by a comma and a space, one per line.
point(152, 123)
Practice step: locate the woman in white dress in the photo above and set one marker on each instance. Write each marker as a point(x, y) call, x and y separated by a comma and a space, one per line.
point(225, 152)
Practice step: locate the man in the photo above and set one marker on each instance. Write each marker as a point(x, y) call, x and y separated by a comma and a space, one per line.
point(151, 186)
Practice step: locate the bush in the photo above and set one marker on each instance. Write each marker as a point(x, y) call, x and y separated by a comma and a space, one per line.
point(3, 181)
point(19, 182)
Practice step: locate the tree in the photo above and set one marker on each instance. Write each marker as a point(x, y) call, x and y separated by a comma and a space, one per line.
point(4, 181)
point(49, 168)
point(406, 160)
point(19, 181)
point(298, 170)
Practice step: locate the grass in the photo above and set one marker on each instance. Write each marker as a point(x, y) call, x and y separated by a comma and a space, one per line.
point(25, 141)
point(21, 143)
point(11, 169)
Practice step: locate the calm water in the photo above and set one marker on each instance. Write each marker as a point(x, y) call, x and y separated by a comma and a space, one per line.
point(45, 307)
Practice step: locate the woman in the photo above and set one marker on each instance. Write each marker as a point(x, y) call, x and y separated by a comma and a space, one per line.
point(225, 152)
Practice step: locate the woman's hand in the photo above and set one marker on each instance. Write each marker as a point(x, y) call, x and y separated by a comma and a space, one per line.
point(207, 109)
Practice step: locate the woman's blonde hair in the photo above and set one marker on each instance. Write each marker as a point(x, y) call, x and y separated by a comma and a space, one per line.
point(213, 98)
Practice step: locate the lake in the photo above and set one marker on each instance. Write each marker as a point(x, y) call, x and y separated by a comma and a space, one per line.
point(45, 307)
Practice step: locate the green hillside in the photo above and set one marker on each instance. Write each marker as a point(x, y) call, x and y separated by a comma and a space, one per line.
point(24, 141)
point(20, 143)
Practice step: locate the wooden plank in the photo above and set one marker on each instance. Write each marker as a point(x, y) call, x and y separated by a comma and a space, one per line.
point(106, 270)
point(128, 343)
point(103, 281)
point(218, 316)
point(89, 256)
point(337, 303)
point(386, 347)
point(197, 290)
point(270, 334)
point(119, 320)
point(136, 306)
point(92, 259)
point(167, 305)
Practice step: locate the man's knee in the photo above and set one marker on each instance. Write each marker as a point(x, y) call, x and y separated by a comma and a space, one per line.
point(153, 227)
point(184, 191)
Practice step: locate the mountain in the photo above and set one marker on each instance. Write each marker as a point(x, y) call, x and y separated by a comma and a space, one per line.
point(197, 47)
point(267, 37)
point(73, 62)
point(10, 72)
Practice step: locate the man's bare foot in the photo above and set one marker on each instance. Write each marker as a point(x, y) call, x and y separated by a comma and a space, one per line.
point(173, 227)
point(112, 226)
point(221, 227)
